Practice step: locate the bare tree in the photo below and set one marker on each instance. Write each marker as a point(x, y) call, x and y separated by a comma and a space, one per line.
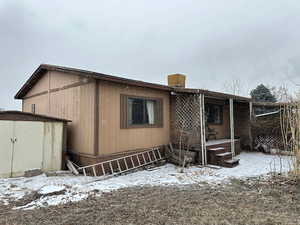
point(297, 95)
point(233, 87)
point(290, 125)
point(281, 93)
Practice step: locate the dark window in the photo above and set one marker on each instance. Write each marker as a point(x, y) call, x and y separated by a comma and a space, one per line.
point(140, 112)
point(214, 114)
point(33, 108)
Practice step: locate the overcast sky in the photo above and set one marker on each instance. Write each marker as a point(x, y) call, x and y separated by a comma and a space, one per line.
point(212, 42)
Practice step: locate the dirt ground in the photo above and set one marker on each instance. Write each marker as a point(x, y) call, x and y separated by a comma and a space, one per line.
point(255, 201)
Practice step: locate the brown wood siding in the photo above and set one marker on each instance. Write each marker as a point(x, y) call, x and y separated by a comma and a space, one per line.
point(223, 130)
point(41, 86)
point(60, 79)
point(112, 138)
point(242, 123)
point(41, 104)
point(75, 103)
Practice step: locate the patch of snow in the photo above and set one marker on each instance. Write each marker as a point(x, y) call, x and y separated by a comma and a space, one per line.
point(54, 200)
point(51, 189)
point(79, 187)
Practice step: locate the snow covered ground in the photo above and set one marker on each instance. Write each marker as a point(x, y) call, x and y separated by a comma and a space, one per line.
point(56, 190)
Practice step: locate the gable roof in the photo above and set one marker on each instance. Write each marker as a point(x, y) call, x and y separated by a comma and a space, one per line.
point(43, 68)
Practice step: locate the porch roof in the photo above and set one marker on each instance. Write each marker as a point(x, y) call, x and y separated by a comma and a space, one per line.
point(212, 94)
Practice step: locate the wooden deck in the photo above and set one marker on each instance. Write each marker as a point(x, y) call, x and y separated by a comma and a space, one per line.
point(219, 152)
point(219, 141)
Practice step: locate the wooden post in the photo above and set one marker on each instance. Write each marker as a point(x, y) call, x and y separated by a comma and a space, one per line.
point(204, 126)
point(49, 96)
point(201, 129)
point(232, 127)
point(250, 124)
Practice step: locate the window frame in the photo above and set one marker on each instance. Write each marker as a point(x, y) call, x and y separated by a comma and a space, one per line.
point(124, 112)
point(221, 112)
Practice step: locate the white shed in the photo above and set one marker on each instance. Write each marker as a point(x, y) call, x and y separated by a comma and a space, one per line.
point(30, 141)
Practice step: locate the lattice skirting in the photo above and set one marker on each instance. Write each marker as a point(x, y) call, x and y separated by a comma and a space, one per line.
point(269, 142)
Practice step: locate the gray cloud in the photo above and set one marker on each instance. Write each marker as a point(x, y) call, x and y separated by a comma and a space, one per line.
point(212, 42)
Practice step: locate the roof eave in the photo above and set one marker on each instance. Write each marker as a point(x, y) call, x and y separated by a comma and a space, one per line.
point(99, 76)
point(212, 94)
point(23, 91)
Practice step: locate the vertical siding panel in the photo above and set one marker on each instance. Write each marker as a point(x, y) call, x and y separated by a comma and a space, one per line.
point(41, 86)
point(223, 130)
point(74, 103)
point(113, 139)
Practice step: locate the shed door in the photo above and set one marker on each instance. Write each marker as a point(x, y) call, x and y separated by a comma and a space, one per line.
point(28, 147)
point(6, 146)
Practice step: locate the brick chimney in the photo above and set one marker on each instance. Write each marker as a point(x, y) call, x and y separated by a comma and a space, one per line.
point(176, 80)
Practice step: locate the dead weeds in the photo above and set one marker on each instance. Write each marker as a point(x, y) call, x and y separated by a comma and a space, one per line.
point(253, 201)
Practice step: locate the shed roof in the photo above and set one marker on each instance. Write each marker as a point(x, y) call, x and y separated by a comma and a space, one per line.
point(26, 116)
point(100, 76)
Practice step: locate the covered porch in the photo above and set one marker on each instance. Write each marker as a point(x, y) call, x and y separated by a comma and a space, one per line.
point(216, 127)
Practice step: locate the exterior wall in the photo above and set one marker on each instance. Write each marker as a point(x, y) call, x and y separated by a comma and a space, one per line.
point(76, 104)
point(75, 98)
point(242, 124)
point(223, 130)
point(37, 145)
point(113, 139)
point(41, 104)
point(6, 132)
point(61, 80)
point(41, 86)
point(70, 97)
point(53, 146)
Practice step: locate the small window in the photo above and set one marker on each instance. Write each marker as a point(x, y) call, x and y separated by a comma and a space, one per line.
point(33, 108)
point(140, 112)
point(214, 114)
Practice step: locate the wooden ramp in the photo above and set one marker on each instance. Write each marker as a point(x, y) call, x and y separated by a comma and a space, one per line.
point(123, 164)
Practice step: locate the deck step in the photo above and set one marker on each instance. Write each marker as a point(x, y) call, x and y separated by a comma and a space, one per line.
point(224, 154)
point(216, 149)
point(230, 163)
point(232, 160)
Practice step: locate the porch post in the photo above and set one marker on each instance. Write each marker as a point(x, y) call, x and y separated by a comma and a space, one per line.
point(250, 124)
point(202, 129)
point(232, 127)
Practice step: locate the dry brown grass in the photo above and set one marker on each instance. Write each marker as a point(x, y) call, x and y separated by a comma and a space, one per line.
point(290, 126)
point(241, 202)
